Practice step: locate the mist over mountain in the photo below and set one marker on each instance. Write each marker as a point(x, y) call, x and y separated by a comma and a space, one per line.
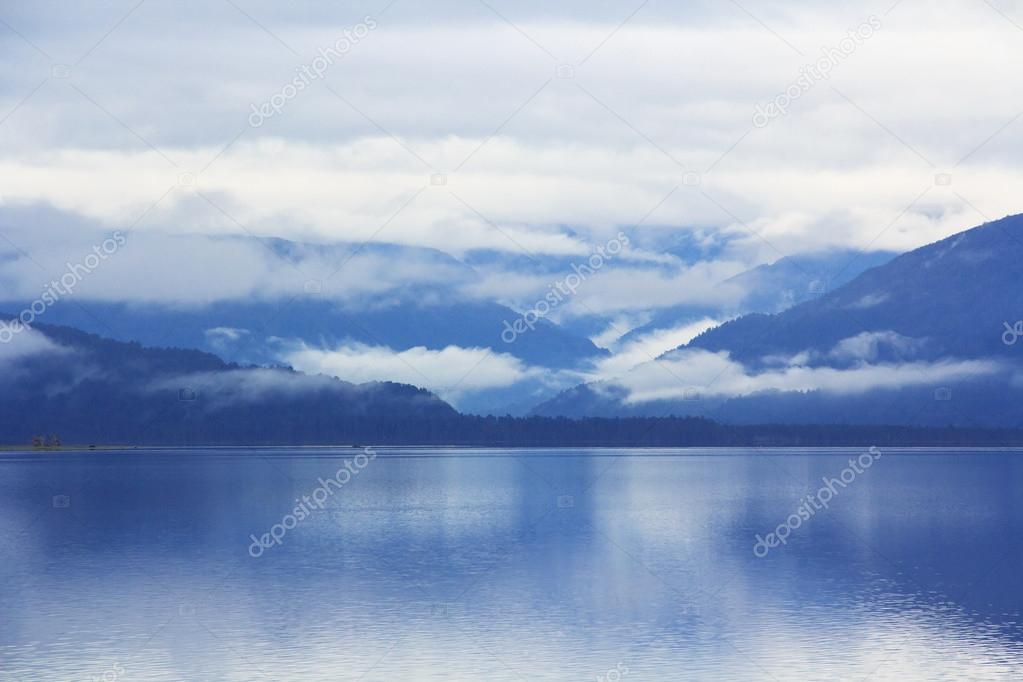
point(266, 332)
point(64, 385)
point(948, 299)
point(490, 331)
point(773, 287)
point(927, 338)
point(87, 389)
point(377, 311)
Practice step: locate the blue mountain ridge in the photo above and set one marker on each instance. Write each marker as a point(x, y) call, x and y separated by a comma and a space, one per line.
point(953, 300)
point(62, 380)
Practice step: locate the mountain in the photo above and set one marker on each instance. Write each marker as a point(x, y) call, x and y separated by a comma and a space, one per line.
point(282, 298)
point(269, 332)
point(89, 389)
point(58, 381)
point(774, 287)
point(254, 331)
point(951, 298)
point(378, 311)
point(918, 340)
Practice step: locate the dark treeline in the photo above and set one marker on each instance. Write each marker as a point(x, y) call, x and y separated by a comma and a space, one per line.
point(538, 432)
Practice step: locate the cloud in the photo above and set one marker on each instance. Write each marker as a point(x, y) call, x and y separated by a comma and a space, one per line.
point(223, 338)
point(522, 150)
point(24, 342)
point(449, 372)
point(195, 269)
point(23, 350)
point(651, 131)
point(621, 289)
point(226, 333)
point(869, 301)
point(686, 372)
point(618, 327)
point(708, 374)
point(648, 348)
point(198, 269)
point(868, 345)
point(630, 281)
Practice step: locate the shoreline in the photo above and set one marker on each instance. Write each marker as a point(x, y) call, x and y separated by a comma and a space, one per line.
point(494, 451)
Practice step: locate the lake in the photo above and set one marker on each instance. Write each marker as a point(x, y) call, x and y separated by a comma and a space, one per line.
point(430, 564)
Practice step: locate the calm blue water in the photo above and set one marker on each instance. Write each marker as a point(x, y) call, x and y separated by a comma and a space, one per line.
point(509, 565)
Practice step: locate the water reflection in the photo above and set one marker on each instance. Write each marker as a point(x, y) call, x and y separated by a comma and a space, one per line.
point(508, 565)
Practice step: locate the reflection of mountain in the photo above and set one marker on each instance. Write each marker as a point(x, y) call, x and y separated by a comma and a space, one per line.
point(917, 340)
point(912, 569)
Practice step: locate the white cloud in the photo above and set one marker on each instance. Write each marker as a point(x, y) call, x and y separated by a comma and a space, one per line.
point(717, 375)
point(621, 289)
point(649, 347)
point(223, 338)
point(654, 130)
point(449, 372)
point(226, 333)
point(826, 174)
point(24, 342)
point(619, 327)
point(869, 301)
point(866, 346)
point(196, 269)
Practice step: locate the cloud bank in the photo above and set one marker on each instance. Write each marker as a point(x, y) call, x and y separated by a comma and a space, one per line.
point(856, 365)
point(450, 372)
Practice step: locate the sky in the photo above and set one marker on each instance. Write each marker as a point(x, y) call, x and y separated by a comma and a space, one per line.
point(754, 130)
